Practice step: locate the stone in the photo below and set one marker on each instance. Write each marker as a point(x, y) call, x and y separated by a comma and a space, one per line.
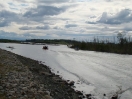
point(114, 97)
point(46, 73)
point(1, 88)
point(47, 92)
point(79, 92)
point(71, 83)
point(47, 97)
point(11, 92)
point(14, 85)
point(88, 96)
point(24, 88)
point(2, 91)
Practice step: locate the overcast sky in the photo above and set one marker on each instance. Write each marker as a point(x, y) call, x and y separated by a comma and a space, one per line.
point(64, 19)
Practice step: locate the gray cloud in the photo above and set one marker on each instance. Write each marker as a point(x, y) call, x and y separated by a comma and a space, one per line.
point(45, 1)
point(70, 25)
point(3, 23)
point(9, 35)
point(7, 17)
point(92, 9)
point(13, 35)
point(57, 27)
point(25, 28)
point(29, 35)
point(108, 0)
point(88, 22)
point(128, 28)
point(45, 27)
point(38, 14)
point(124, 16)
point(53, 1)
point(91, 22)
point(1, 6)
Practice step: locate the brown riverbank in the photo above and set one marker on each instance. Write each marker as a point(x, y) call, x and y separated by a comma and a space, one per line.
point(24, 78)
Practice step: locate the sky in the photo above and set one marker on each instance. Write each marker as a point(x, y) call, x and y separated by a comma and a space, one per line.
point(65, 19)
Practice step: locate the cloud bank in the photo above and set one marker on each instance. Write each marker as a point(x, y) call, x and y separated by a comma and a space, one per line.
point(64, 19)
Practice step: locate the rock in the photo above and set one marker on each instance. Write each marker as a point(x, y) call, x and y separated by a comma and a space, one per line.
point(71, 83)
point(24, 88)
point(79, 92)
point(56, 79)
point(11, 92)
point(17, 80)
point(2, 91)
point(80, 97)
point(47, 97)
point(104, 97)
point(88, 96)
point(47, 92)
point(70, 90)
point(1, 88)
point(14, 85)
point(114, 97)
point(46, 73)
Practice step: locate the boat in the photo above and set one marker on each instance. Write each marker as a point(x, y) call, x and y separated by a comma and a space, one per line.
point(45, 47)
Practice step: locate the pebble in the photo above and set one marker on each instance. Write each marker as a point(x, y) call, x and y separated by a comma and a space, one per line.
point(1, 88)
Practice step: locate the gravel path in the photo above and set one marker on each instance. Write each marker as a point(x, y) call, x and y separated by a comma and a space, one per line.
point(24, 78)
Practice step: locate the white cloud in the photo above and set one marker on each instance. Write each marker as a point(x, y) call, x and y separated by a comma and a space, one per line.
point(65, 18)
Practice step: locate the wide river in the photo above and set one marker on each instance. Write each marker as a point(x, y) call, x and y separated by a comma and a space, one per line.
point(93, 72)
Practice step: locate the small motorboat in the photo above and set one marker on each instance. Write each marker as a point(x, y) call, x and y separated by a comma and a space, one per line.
point(45, 47)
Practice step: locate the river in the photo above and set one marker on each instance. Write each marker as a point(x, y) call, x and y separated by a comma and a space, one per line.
point(93, 72)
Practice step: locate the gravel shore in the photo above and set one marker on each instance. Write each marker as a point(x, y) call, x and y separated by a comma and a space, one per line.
point(24, 78)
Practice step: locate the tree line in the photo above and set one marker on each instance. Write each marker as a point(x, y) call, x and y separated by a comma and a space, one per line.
point(123, 45)
point(9, 41)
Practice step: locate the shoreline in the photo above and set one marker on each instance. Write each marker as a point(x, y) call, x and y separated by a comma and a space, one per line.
point(25, 78)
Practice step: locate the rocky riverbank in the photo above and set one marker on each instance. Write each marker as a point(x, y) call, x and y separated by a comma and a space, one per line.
point(24, 78)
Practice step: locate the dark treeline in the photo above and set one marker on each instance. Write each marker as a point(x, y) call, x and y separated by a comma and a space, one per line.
point(123, 46)
point(9, 41)
point(49, 41)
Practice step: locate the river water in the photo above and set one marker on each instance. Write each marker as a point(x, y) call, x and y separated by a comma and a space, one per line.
point(93, 72)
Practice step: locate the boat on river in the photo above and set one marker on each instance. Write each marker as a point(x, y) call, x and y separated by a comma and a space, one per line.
point(45, 47)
